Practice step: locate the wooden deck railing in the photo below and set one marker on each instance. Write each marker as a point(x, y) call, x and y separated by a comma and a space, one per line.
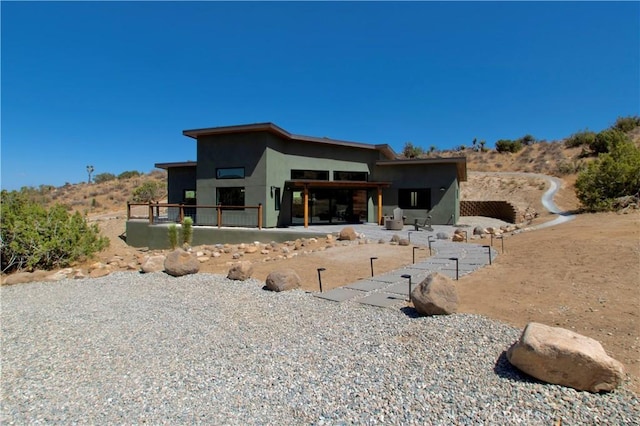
point(204, 215)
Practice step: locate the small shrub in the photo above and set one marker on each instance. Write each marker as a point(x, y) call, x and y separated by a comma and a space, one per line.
point(128, 174)
point(613, 175)
point(103, 177)
point(506, 145)
point(173, 236)
point(527, 140)
point(627, 124)
point(584, 137)
point(187, 230)
point(606, 139)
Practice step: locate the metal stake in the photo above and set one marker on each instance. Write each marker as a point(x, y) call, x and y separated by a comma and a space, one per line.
point(371, 260)
point(320, 277)
point(489, 248)
point(408, 276)
point(456, 259)
point(414, 252)
point(429, 240)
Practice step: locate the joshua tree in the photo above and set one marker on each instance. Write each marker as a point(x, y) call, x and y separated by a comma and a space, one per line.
point(89, 170)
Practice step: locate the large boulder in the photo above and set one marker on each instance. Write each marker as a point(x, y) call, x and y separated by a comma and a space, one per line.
point(436, 295)
point(563, 357)
point(240, 271)
point(348, 233)
point(153, 264)
point(180, 262)
point(282, 280)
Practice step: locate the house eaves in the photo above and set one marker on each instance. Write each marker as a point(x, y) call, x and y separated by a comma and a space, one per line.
point(167, 166)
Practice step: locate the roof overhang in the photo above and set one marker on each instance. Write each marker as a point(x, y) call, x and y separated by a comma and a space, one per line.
point(167, 166)
point(385, 149)
point(459, 162)
point(337, 184)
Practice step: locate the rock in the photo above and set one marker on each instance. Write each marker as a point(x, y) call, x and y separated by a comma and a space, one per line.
point(265, 251)
point(250, 249)
point(282, 280)
point(26, 277)
point(563, 357)
point(79, 275)
point(60, 275)
point(347, 234)
point(479, 230)
point(180, 262)
point(240, 271)
point(403, 242)
point(442, 236)
point(216, 254)
point(459, 231)
point(99, 272)
point(203, 259)
point(457, 238)
point(153, 264)
point(436, 295)
point(236, 255)
point(395, 238)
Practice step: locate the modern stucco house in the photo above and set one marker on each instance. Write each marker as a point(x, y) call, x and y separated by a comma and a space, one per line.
point(302, 180)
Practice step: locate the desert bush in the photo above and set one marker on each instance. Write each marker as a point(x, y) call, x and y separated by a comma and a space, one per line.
point(33, 237)
point(612, 175)
point(173, 236)
point(187, 230)
point(584, 137)
point(103, 177)
point(565, 167)
point(412, 151)
point(148, 192)
point(128, 174)
point(606, 139)
point(527, 140)
point(506, 145)
point(626, 124)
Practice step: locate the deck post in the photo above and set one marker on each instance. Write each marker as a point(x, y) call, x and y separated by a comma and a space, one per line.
point(380, 206)
point(150, 213)
point(260, 216)
point(219, 208)
point(181, 217)
point(305, 202)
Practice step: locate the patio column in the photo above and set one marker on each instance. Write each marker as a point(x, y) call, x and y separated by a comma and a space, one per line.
point(305, 202)
point(379, 205)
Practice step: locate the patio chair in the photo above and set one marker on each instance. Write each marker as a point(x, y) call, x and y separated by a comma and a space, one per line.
point(426, 224)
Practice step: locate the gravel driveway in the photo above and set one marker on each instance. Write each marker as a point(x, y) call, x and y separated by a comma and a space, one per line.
point(132, 348)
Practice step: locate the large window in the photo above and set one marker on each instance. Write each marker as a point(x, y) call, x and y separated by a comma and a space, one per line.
point(355, 176)
point(231, 197)
point(230, 173)
point(310, 174)
point(414, 198)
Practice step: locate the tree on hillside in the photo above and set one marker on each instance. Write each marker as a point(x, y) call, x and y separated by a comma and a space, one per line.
point(150, 191)
point(613, 175)
point(412, 151)
point(104, 177)
point(90, 170)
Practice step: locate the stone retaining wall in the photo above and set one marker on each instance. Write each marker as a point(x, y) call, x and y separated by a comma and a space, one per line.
point(502, 210)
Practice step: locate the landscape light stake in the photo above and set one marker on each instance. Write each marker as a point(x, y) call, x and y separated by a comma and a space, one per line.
point(489, 248)
point(371, 259)
point(408, 276)
point(502, 241)
point(456, 259)
point(429, 240)
point(320, 277)
point(414, 252)
point(491, 239)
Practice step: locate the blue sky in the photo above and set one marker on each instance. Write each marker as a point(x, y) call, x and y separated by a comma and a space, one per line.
point(113, 84)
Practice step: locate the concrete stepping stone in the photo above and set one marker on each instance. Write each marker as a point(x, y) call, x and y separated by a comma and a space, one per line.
point(339, 294)
point(368, 285)
point(383, 300)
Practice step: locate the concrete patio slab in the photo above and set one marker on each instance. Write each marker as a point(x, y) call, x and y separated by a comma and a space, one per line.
point(339, 294)
point(383, 300)
point(368, 285)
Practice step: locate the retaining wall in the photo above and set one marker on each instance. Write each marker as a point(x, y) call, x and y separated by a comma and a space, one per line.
point(502, 210)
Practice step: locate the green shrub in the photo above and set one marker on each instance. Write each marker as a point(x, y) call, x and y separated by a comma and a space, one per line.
point(584, 137)
point(33, 237)
point(103, 177)
point(173, 236)
point(412, 151)
point(148, 192)
point(606, 139)
point(613, 175)
point(527, 140)
point(627, 124)
point(129, 174)
point(187, 230)
point(507, 145)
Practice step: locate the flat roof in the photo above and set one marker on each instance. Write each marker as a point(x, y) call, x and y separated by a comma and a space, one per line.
point(460, 162)
point(385, 149)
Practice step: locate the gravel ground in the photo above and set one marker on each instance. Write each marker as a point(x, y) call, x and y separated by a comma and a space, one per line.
point(133, 348)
